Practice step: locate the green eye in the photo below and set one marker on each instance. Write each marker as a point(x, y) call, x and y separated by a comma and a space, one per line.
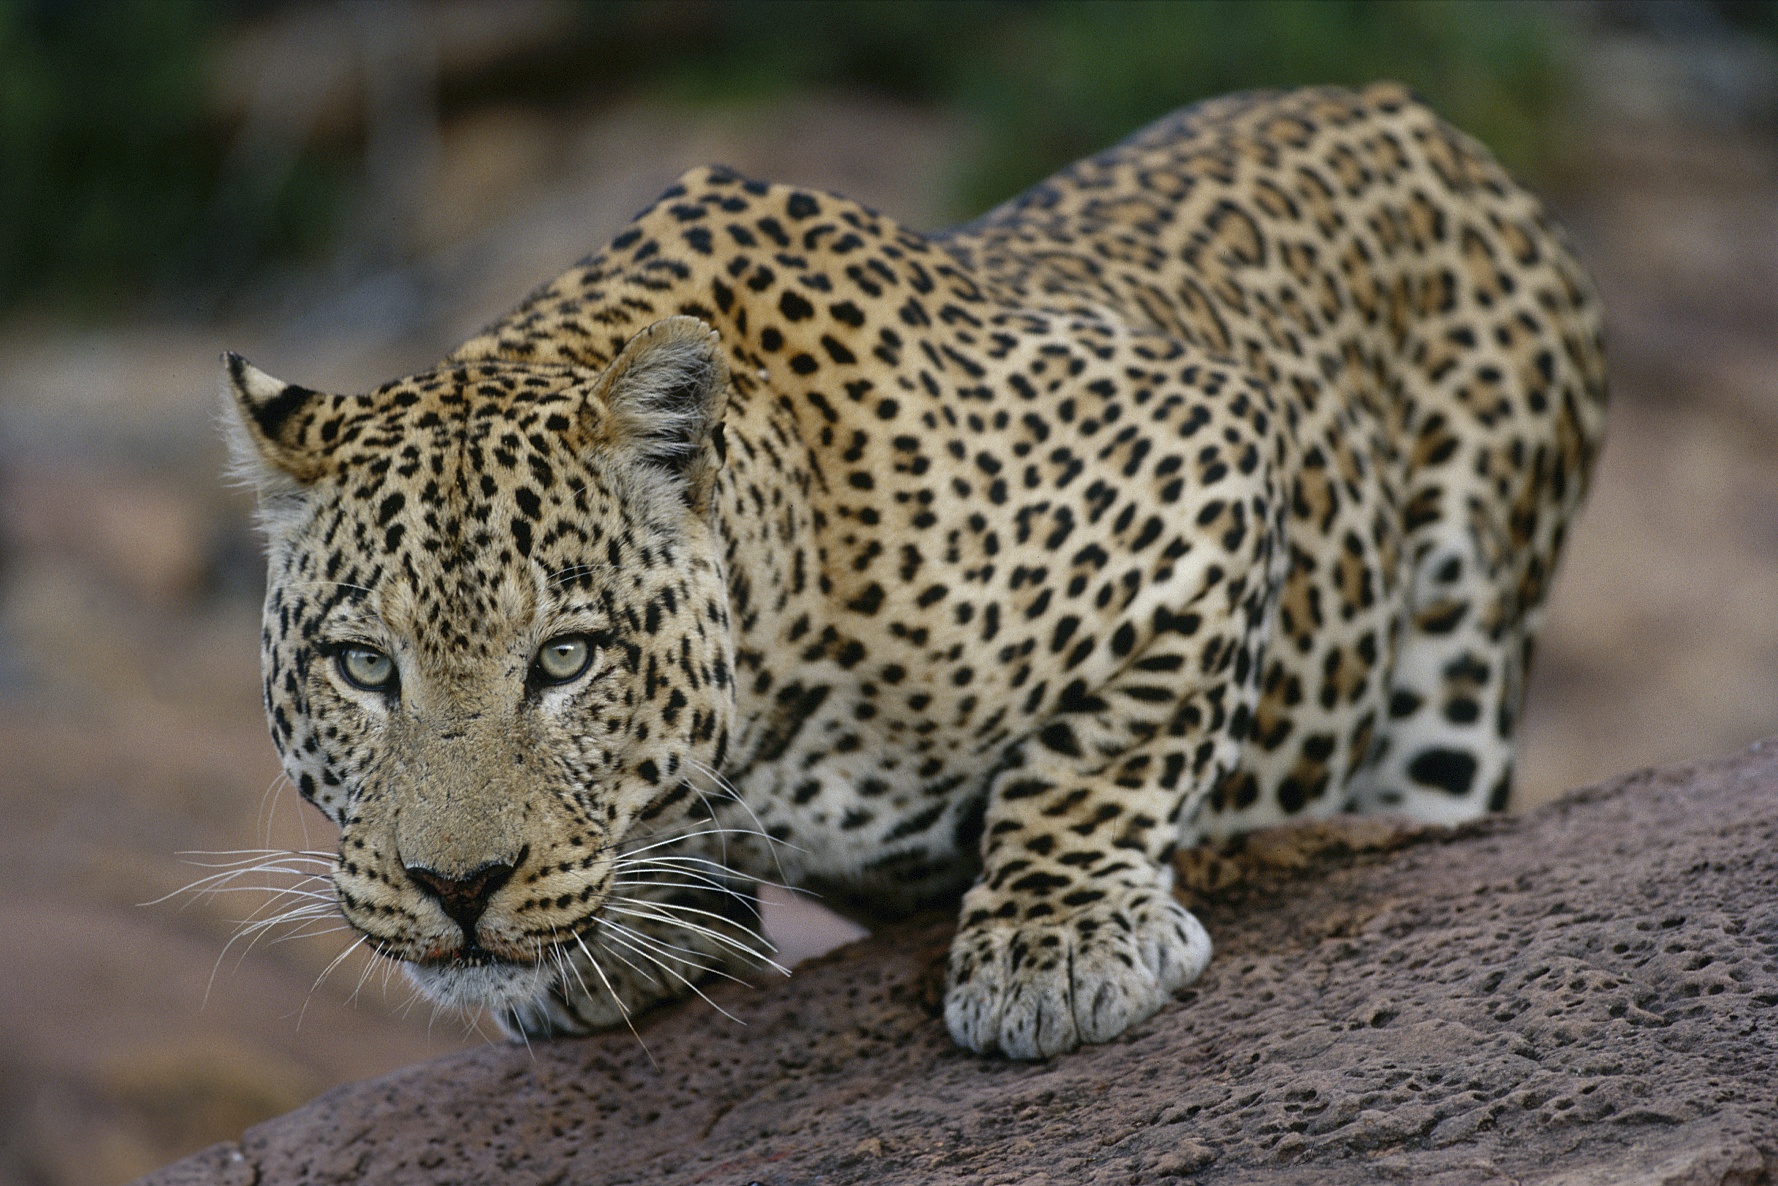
point(562, 659)
point(367, 668)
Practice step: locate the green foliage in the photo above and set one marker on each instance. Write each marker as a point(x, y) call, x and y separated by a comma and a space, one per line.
point(101, 143)
point(1050, 80)
point(1758, 17)
point(1076, 77)
point(112, 166)
point(111, 162)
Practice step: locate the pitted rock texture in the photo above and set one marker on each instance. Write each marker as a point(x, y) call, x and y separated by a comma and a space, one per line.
point(1584, 995)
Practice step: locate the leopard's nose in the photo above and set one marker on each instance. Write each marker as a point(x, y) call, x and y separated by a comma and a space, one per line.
point(463, 897)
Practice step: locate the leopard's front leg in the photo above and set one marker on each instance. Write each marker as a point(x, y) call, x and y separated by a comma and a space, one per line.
point(1072, 934)
point(1068, 938)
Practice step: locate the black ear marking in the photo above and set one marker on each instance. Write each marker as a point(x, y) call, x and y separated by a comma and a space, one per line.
point(270, 425)
point(270, 414)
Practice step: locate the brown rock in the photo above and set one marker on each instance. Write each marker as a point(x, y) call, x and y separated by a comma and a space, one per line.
point(1587, 994)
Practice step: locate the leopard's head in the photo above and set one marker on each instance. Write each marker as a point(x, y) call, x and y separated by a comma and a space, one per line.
point(496, 643)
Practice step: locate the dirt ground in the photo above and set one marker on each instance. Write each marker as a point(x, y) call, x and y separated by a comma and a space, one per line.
point(130, 729)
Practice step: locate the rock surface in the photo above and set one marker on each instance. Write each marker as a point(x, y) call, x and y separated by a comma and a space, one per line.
point(1586, 994)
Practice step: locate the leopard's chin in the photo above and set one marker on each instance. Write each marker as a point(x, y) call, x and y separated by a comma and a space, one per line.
point(491, 983)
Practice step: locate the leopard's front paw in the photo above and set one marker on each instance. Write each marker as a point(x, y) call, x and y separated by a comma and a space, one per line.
point(1043, 986)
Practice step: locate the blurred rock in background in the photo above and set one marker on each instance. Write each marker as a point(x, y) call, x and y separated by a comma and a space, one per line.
point(342, 191)
point(1662, 639)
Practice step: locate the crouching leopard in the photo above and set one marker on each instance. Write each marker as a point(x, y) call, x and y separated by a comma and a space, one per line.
point(1215, 482)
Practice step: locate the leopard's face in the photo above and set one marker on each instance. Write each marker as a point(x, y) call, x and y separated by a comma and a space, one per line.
point(496, 647)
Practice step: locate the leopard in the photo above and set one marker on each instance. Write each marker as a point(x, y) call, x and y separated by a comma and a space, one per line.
point(1215, 483)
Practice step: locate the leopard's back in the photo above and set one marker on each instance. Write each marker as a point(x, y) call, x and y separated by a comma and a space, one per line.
point(1437, 350)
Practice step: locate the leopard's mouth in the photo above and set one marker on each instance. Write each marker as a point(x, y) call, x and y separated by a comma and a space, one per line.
point(459, 951)
point(473, 952)
point(487, 940)
point(476, 977)
point(472, 955)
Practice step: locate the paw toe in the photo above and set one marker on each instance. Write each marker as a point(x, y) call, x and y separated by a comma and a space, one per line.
point(1038, 1021)
point(1093, 979)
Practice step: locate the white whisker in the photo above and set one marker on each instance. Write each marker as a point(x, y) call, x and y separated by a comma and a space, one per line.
point(332, 964)
point(669, 970)
point(268, 806)
point(641, 908)
point(215, 882)
point(734, 793)
point(703, 866)
point(684, 836)
point(621, 1007)
point(248, 855)
point(364, 974)
point(689, 956)
point(321, 584)
point(312, 930)
point(574, 572)
point(746, 899)
point(681, 908)
point(625, 960)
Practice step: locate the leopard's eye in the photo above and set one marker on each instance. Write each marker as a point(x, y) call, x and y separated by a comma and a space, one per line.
point(367, 668)
point(562, 659)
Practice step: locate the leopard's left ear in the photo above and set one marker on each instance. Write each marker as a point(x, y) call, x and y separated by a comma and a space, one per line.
point(663, 400)
point(266, 422)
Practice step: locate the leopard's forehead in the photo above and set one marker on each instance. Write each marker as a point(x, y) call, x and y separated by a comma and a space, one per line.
point(454, 503)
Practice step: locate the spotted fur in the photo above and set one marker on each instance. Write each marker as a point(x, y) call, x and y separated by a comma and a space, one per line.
point(1215, 482)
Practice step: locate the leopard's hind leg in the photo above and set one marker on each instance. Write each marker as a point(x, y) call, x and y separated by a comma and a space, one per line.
point(1500, 446)
point(1445, 751)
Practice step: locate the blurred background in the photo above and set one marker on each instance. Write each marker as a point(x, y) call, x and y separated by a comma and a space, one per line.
point(343, 190)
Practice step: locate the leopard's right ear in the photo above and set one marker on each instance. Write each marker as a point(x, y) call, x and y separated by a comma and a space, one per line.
point(266, 425)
